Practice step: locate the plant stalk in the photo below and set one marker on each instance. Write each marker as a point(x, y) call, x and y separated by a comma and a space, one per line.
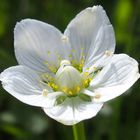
point(79, 131)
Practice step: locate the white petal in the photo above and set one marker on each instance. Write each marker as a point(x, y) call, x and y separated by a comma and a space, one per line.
point(38, 45)
point(88, 92)
point(115, 78)
point(23, 84)
point(73, 110)
point(102, 48)
point(90, 31)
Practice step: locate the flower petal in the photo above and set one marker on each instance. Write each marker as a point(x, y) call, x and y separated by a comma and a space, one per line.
point(23, 83)
point(73, 110)
point(91, 35)
point(38, 45)
point(115, 78)
point(102, 48)
point(88, 92)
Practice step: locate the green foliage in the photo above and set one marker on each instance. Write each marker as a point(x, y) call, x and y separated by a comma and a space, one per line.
point(118, 120)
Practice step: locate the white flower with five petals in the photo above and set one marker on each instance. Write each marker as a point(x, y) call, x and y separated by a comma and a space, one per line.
point(69, 75)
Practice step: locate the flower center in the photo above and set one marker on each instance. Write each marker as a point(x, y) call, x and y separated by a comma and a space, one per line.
point(68, 79)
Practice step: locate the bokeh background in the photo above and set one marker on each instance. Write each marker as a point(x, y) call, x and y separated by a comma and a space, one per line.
point(118, 120)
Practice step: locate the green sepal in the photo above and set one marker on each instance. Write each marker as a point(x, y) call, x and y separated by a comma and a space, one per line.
point(60, 99)
point(85, 97)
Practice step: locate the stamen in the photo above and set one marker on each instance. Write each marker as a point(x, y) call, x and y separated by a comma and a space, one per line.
point(89, 75)
point(53, 86)
point(47, 77)
point(59, 56)
point(68, 79)
point(82, 59)
point(51, 68)
point(79, 67)
point(86, 82)
point(65, 89)
point(48, 80)
point(71, 92)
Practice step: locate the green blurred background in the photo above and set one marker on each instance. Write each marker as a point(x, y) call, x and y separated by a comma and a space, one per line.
point(118, 120)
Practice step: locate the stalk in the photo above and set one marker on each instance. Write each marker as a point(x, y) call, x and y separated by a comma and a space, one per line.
point(79, 131)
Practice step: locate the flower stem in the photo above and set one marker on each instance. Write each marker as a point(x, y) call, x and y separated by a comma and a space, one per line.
point(78, 131)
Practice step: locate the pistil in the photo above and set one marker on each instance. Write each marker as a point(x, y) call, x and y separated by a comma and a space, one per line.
point(68, 79)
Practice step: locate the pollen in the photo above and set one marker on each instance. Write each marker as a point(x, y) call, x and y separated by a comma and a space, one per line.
point(87, 77)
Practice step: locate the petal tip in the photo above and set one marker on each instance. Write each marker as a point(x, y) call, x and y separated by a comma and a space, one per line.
point(22, 23)
point(95, 7)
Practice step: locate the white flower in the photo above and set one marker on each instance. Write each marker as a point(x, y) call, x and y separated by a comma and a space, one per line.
point(69, 75)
